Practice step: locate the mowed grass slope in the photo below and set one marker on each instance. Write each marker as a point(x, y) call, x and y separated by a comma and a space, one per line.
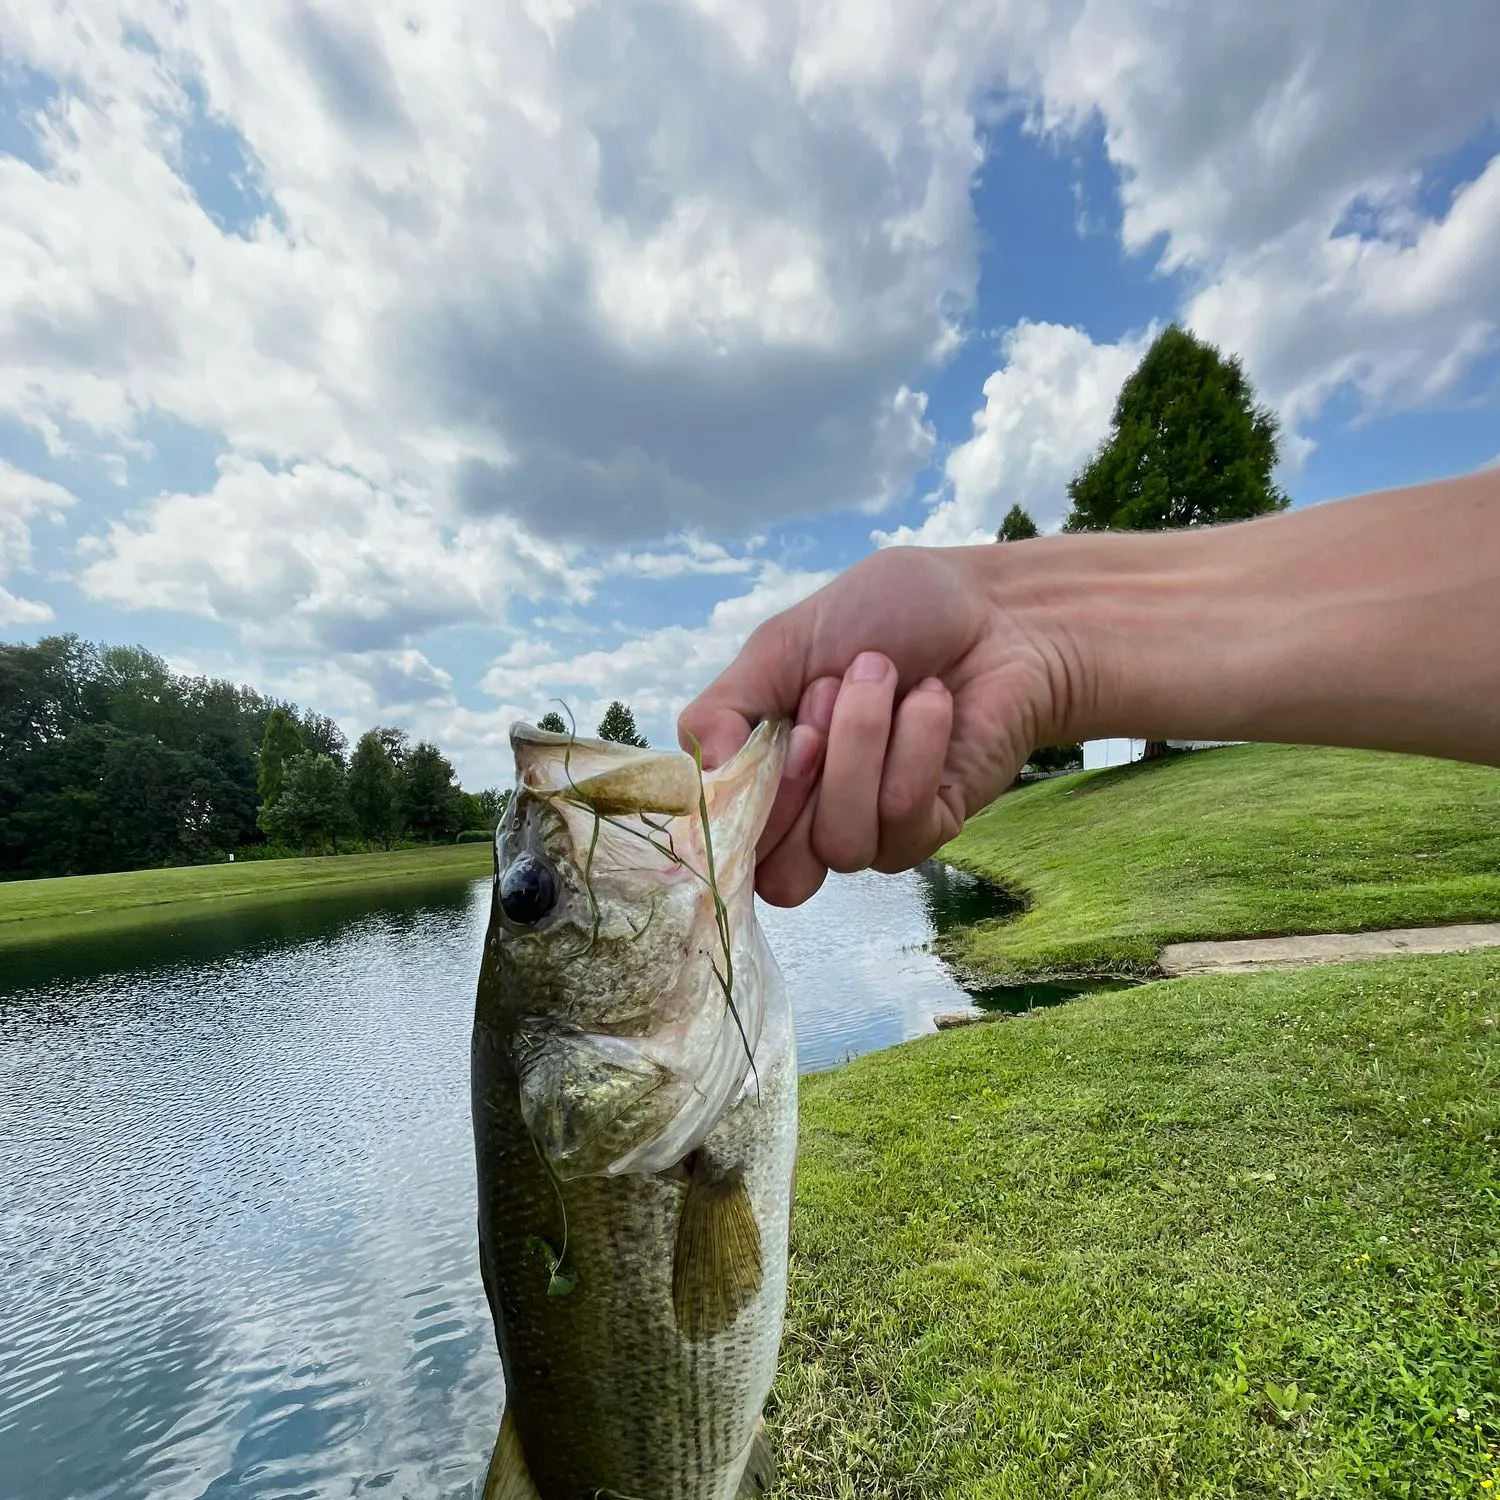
point(1087, 1253)
point(1252, 840)
point(42, 910)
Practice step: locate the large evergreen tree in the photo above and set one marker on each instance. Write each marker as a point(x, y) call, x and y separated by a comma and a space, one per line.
point(1016, 527)
point(1188, 446)
point(552, 722)
point(372, 788)
point(618, 724)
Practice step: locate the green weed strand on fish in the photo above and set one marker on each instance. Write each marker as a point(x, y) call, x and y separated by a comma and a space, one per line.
point(560, 1280)
point(721, 918)
point(667, 850)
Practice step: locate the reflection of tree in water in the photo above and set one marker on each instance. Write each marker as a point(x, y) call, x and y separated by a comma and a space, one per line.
point(954, 898)
point(201, 935)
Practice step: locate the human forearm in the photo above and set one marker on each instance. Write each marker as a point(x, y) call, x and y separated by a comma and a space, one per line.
point(921, 679)
point(1372, 622)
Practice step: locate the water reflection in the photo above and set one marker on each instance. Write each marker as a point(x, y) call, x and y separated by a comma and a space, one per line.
point(236, 1184)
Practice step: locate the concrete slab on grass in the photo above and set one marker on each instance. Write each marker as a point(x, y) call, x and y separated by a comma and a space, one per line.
point(1248, 955)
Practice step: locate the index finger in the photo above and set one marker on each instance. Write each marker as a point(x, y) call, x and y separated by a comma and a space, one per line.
point(764, 681)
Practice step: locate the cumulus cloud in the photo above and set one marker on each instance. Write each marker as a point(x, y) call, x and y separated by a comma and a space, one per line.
point(1046, 408)
point(694, 554)
point(312, 555)
point(486, 304)
point(1398, 315)
point(24, 498)
point(606, 272)
point(657, 671)
point(1279, 154)
point(1235, 124)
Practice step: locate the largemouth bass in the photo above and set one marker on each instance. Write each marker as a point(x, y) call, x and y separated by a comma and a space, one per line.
point(634, 1097)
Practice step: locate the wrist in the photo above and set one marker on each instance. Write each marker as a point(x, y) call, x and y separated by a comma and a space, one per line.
point(1147, 635)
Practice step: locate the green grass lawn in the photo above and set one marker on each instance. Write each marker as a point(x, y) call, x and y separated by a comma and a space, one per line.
point(1088, 1253)
point(34, 911)
point(1254, 840)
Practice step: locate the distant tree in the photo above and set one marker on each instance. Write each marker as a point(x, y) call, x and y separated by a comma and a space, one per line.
point(281, 743)
point(428, 798)
point(312, 805)
point(618, 724)
point(395, 741)
point(372, 788)
point(1016, 527)
point(42, 690)
point(492, 802)
point(552, 722)
point(227, 771)
point(137, 691)
point(322, 736)
point(1188, 446)
point(111, 761)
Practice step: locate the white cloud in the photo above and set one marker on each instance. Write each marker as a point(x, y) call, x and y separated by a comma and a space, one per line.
point(694, 554)
point(314, 556)
point(1234, 124)
point(1399, 316)
point(1250, 138)
point(24, 498)
point(656, 672)
point(1045, 410)
point(606, 271)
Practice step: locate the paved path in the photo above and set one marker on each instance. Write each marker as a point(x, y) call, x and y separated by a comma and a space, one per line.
point(1248, 955)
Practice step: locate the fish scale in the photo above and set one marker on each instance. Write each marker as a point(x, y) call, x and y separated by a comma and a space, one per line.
point(626, 1384)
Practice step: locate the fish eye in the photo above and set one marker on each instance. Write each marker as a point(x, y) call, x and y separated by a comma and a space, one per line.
point(528, 890)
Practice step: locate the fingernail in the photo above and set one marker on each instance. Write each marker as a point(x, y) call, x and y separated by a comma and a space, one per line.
point(931, 685)
point(802, 752)
point(868, 666)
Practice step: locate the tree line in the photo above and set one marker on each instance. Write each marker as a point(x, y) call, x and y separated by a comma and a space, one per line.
point(109, 760)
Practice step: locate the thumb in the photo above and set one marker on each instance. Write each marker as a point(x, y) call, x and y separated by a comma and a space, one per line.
point(764, 681)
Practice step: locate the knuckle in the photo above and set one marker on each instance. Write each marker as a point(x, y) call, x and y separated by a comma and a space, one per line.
point(900, 804)
point(843, 850)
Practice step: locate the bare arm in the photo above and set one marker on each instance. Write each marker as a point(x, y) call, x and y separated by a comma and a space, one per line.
point(922, 678)
point(1372, 623)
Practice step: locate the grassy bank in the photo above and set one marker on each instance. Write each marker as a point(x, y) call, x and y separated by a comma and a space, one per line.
point(1255, 840)
point(35, 911)
point(1088, 1253)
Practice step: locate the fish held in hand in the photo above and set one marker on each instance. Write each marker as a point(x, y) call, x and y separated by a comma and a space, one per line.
point(634, 1102)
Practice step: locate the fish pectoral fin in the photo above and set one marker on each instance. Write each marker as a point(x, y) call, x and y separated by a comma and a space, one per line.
point(508, 1477)
point(760, 1467)
point(717, 1268)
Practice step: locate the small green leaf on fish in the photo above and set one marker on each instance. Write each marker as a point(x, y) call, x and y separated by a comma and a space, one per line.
point(560, 1280)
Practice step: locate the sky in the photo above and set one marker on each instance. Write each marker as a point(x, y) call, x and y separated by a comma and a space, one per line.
point(427, 364)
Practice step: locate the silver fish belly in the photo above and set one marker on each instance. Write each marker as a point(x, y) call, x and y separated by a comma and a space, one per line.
point(638, 1313)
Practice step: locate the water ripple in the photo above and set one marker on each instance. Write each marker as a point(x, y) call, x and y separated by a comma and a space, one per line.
point(237, 1191)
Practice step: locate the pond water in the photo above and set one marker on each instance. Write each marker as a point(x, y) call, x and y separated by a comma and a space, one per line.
point(236, 1187)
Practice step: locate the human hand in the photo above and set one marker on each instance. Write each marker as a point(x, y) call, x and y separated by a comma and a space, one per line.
point(917, 698)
